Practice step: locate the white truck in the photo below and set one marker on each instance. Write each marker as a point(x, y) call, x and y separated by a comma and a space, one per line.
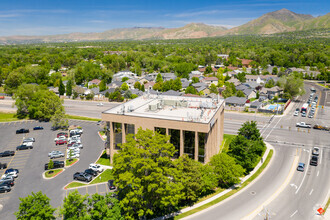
point(303, 125)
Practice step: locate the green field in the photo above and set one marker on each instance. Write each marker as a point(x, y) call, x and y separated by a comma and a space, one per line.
point(227, 138)
point(55, 172)
point(69, 163)
point(4, 117)
point(82, 118)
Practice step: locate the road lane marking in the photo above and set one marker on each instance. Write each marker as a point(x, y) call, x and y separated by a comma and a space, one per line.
point(255, 212)
point(293, 185)
point(304, 175)
point(311, 192)
point(293, 214)
point(271, 130)
point(318, 172)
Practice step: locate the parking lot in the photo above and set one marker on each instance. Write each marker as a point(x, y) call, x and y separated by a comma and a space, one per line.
point(100, 188)
point(31, 162)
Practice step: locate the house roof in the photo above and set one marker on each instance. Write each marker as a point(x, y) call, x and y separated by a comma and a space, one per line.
point(252, 76)
point(210, 79)
point(241, 87)
point(256, 104)
point(251, 85)
point(246, 61)
point(95, 90)
point(196, 85)
point(111, 90)
point(247, 92)
point(116, 83)
point(149, 84)
point(95, 81)
point(172, 92)
point(236, 100)
point(137, 92)
point(201, 88)
point(190, 95)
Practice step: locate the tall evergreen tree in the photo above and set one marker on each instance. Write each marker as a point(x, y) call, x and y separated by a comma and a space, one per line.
point(61, 88)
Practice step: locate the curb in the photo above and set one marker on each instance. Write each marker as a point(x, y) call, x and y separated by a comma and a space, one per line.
point(72, 163)
point(101, 136)
point(46, 178)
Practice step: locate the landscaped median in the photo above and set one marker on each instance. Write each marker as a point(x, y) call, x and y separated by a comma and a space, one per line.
point(230, 193)
point(52, 173)
point(101, 178)
point(103, 159)
point(69, 162)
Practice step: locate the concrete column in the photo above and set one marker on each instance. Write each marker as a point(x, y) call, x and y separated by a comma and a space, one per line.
point(181, 143)
point(196, 145)
point(123, 133)
point(166, 131)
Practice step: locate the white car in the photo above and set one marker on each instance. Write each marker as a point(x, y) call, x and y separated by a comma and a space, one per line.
point(74, 151)
point(100, 104)
point(29, 144)
point(76, 145)
point(54, 152)
point(73, 156)
point(29, 140)
point(74, 138)
point(60, 138)
point(74, 141)
point(296, 113)
point(96, 167)
point(12, 174)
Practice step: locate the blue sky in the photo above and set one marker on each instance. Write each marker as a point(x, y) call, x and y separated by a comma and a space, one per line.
point(47, 17)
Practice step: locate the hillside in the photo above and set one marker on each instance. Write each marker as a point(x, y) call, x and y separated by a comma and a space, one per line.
point(271, 23)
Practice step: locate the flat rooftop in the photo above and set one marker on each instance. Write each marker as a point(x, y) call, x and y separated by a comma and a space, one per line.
point(178, 108)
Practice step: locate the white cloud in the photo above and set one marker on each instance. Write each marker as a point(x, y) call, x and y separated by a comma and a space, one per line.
point(9, 15)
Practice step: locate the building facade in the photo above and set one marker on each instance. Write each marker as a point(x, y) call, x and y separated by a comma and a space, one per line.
point(195, 124)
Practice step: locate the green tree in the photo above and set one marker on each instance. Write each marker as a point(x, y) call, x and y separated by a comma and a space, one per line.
point(159, 78)
point(104, 207)
point(137, 85)
point(195, 79)
point(190, 174)
point(124, 86)
point(292, 85)
point(124, 79)
point(116, 96)
point(191, 90)
point(103, 85)
point(240, 93)
point(69, 88)
point(270, 83)
point(50, 164)
point(143, 170)
point(61, 88)
point(227, 171)
point(158, 86)
point(59, 119)
point(241, 77)
point(213, 89)
point(208, 70)
point(250, 131)
point(142, 88)
point(74, 206)
point(275, 71)
point(35, 206)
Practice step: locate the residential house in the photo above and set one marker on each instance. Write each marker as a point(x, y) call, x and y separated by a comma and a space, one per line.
point(246, 62)
point(149, 85)
point(168, 76)
point(274, 91)
point(118, 76)
point(54, 89)
point(235, 81)
point(249, 93)
point(241, 87)
point(94, 82)
point(223, 56)
point(253, 78)
point(266, 78)
point(200, 84)
point(185, 83)
point(136, 92)
point(172, 93)
point(115, 84)
point(204, 89)
point(196, 72)
point(79, 89)
point(236, 101)
point(256, 104)
point(251, 84)
point(130, 83)
point(210, 80)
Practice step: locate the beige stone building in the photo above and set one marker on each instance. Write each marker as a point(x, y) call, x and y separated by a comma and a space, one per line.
point(195, 124)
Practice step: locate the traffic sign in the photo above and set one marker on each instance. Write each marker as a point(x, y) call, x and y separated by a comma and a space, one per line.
point(321, 211)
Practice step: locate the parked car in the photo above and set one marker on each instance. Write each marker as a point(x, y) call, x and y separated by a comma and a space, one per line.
point(296, 113)
point(29, 140)
point(23, 147)
point(3, 165)
point(74, 141)
point(73, 144)
point(12, 170)
point(60, 138)
point(29, 144)
point(82, 176)
point(110, 184)
point(73, 156)
point(61, 142)
point(301, 167)
point(91, 172)
point(5, 188)
point(74, 150)
point(96, 167)
point(316, 151)
point(55, 154)
point(7, 153)
point(100, 104)
point(22, 130)
point(57, 164)
point(99, 123)
point(5, 176)
point(7, 182)
point(314, 160)
point(65, 134)
point(38, 128)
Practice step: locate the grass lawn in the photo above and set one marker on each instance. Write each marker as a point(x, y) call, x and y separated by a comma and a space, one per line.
point(227, 138)
point(55, 172)
point(104, 160)
point(82, 118)
point(4, 117)
point(103, 177)
point(232, 192)
point(75, 184)
point(325, 86)
point(69, 163)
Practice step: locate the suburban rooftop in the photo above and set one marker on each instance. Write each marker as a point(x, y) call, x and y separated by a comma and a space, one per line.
point(179, 108)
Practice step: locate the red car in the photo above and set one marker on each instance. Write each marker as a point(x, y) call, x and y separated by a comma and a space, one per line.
point(60, 142)
point(62, 134)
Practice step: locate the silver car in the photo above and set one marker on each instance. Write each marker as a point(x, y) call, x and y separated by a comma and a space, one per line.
point(55, 154)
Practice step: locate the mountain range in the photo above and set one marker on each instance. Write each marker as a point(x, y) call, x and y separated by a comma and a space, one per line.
point(274, 22)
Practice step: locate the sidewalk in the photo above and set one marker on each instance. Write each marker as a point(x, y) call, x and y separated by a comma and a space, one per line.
point(269, 147)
